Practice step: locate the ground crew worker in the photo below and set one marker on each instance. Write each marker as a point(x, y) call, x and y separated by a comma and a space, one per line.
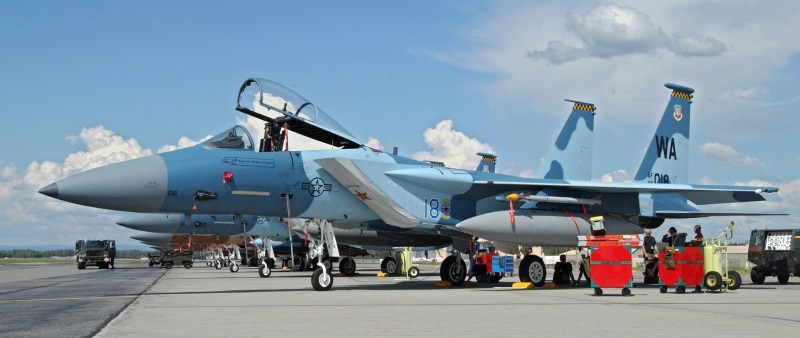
point(698, 237)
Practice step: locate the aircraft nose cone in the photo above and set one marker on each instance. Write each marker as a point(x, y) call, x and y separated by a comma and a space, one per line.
point(138, 185)
point(50, 190)
point(156, 223)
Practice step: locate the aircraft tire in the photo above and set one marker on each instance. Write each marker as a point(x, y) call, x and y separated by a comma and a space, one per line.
point(453, 272)
point(347, 266)
point(321, 281)
point(533, 270)
point(234, 267)
point(713, 280)
point(756, 276)
point(264, 271)
point(735, 280)
point(218, 265)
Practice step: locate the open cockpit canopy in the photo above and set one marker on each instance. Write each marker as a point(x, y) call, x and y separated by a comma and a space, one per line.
point(274, 103)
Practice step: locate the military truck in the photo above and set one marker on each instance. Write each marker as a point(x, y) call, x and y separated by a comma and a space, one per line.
point(100, 253)
point(775, 253)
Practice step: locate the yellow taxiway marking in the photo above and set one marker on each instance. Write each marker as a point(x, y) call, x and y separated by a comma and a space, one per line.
point(57, 299)
point(251, 193)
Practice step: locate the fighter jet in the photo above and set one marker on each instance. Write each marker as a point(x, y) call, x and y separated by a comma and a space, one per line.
point(171, 229)
point(354, 183)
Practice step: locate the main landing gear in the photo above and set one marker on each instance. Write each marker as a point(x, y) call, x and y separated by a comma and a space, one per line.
point(532, 270)
point(453, 269)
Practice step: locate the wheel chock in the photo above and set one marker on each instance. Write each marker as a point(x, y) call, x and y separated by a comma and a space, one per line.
point(339, 274)
point(383, 274)
point(441, 283)
point(522, 285)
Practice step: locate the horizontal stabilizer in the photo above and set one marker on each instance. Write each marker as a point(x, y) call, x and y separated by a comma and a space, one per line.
point(348, 174)
point(697, 214)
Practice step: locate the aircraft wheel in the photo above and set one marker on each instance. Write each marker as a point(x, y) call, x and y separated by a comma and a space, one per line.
point(734, 280)
point(680, 289)
point(453, 270)
point(321, 281)
point(713, 280)
point(187, 265)
point(532, 270)
point(626, 292)
point(234, 267)
point(756, 276)
point(385, 265)
point(168, 266)
point(663, 289)
point(783, 279)
point(264, 271)
point(598, 291)
point(347, 266)
point(413, 272)
point(218, 265)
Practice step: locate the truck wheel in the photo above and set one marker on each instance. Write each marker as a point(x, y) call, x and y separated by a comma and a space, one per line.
point(713, 280)
point(734, 280)
point(756, 276)
point(783, 279)
point(187, 265)
point(81, 266)
point(168, 266)
point(388, 264)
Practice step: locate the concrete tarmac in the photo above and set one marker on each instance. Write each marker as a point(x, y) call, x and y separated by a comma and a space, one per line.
point(58, 300)
point(204, 302)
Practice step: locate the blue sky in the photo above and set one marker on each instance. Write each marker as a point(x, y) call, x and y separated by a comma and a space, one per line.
point(161, 75)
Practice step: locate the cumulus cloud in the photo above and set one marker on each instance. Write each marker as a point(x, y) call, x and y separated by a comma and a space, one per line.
point(620, 175)
point(727, 155)
point(22, 207)
point(696, 45)
point(374, 143)
point(454, 148)
point(609, 30)
point(183, 142)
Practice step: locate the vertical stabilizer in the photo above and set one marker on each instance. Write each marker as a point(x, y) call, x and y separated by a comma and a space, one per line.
point(570, 158)
point(488, 162)
point(666, 159)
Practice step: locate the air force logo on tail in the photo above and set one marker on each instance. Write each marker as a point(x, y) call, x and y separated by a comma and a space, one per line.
point(677, 113)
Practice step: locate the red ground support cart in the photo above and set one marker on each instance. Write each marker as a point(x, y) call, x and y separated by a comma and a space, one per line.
point(688, 271)
point(610, 261)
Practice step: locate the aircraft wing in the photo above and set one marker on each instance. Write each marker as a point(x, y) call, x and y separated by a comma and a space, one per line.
point(698, 194)
point(348, 174)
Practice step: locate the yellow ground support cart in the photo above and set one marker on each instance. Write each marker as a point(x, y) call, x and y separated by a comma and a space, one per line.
point(715, 254)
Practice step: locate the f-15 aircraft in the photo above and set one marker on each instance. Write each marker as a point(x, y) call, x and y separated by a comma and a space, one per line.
point(171, 229)
point(356, 184)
